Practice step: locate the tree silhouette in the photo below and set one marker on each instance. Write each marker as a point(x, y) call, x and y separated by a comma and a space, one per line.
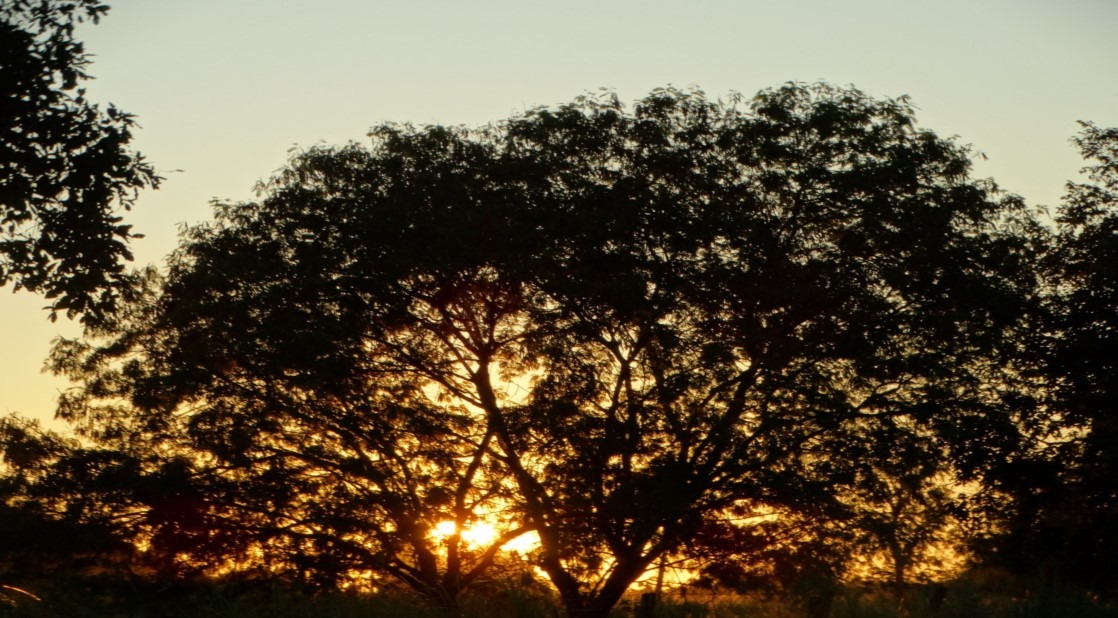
point(65, 166)
point(602, 325)
point(50, 532)
point(1064, 509)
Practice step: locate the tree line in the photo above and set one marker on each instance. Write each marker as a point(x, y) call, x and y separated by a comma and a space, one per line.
point(761, 334)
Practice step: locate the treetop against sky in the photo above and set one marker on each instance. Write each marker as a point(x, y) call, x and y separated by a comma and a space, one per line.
point(222, 91)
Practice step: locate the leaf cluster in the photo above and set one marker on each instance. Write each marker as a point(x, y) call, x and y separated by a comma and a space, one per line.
point(66, 169)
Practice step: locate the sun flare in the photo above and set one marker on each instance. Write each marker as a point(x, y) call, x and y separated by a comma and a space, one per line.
point(481, 534)
point(477, 534)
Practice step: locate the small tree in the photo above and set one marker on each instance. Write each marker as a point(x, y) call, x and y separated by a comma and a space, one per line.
point(908, 529)
point(599, 324)
point(52, 534)
point(65, 166)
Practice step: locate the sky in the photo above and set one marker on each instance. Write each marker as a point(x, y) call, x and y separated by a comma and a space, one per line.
point(224, 89)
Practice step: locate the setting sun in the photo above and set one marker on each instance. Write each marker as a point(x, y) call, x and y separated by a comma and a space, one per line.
point(481, 534)
point(478, 534)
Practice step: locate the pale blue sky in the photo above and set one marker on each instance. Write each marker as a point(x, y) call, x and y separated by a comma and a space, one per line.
point(223, 88)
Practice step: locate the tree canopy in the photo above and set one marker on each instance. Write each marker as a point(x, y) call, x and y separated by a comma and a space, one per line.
point(611, 327)
point(65, 166)
point(1064, 507)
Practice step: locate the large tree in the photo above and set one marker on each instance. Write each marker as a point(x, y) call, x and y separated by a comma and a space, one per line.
point(604, 325)
point(66, 169)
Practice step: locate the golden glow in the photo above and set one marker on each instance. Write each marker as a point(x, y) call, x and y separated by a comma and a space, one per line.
point(477, 535)
point(480, 535)
point(443, 530)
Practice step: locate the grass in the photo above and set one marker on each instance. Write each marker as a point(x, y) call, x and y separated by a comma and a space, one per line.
point(963, 600)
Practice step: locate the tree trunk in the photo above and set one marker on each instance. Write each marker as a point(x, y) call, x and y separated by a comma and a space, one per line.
point(602, 603)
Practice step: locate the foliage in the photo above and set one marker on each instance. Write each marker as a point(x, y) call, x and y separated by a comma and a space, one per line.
point(65, 166)
point(607, 326)
point(1064, 509)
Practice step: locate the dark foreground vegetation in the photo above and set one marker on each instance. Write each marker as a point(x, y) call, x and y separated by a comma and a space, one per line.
point(781, 343)
point(975, 596)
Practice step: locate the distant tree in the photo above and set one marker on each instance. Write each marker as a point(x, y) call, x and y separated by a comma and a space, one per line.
point(907, 510)
point(49, 537)
point(800, 556)
point(899, 519)
point(909, 529)
point(606, 326)
point(65, 167)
